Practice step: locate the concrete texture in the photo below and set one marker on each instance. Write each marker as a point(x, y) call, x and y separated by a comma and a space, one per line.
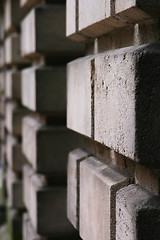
point(127, 84)
point(73, 191)
point(98, 186)
point(137, 214)
point(79, 94)
point(44, 89)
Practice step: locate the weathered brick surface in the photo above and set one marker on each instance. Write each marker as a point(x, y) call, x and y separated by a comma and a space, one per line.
point(126, 102)
point(49, 39)
point(79, 96)
point(98, 186)
point(74, 159)
point(44, 89)
point(13, 84)
point(42, 145)
point(137, 214)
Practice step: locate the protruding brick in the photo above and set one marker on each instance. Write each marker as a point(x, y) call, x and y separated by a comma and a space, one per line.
point(49, 39)
point(127, 102)
point(14, 116)
point(42, 146)
point(14, 190)
point(13, 84)
point(47, 208)
point(13, 14)
point(98, 186)
point(74, 159)
point(136, 11)
point(12, 50)
point(137, 214)
point(14, 155)
point(79, 96)
point(44, 89)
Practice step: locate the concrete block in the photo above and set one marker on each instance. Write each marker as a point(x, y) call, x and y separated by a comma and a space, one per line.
point(47, 207)
point(49, 39)
point(2, 57)
point(74, 159)
point(43, 146)
point(93, 17)
point(126, 102)
point(14, 116)
point(137, 214)
point(28, 230)
point(27, 173)
point(79, 96)
point(12, 14)
point(12, 50)
point(13, 84)
point(98, 186)
point(44, 89)
point(14, 155)
point(71, 21)
point(136, 11)
point(14, 190)
point(2, 82)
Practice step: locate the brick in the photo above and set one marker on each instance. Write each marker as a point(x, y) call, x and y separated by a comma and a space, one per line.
point(12, 50)
point(44, 89)
point(27, 173)
point(74, 159)
point(71, 21)
point(12, 14)
point(126, 102)
point(91, 17)
point(2, 57)
point(38, 142)
point(136, 11)
point(79, 96)
point(28, 230)
point(14, 116)
point(137, 214)
point(44, 198)
point(14, 190)
point(2, 82)
point(98, 186)
point(12, 84)
point(14, 155)
point(49, 39)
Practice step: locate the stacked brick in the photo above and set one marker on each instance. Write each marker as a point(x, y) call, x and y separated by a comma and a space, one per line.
point(113, 99)
point(34, 139)
point(45, 139)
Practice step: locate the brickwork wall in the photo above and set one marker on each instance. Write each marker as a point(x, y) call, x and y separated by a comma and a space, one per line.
point(34, 139)
point(113, 185)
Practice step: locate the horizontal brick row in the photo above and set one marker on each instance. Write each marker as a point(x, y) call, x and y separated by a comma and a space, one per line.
point(108, 100)
point(87, 18)
point(42, 145)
